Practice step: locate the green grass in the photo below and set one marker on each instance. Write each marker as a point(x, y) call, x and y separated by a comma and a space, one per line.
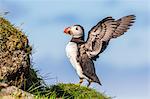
point(67, 91)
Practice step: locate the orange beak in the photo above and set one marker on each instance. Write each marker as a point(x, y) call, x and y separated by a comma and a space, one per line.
point(67, 30)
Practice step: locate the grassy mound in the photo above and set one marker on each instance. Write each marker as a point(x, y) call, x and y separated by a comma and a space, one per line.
point(69, 91)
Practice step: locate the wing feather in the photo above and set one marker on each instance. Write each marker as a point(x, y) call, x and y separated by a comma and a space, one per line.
point(123, 25)
point(100, 35)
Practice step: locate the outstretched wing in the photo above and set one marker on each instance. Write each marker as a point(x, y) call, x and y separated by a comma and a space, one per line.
point(123, 25)
point(100, 35)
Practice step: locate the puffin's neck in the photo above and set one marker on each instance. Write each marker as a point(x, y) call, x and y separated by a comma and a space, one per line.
point(78, 40)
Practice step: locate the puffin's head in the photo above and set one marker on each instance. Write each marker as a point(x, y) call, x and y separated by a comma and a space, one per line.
point(76, 31)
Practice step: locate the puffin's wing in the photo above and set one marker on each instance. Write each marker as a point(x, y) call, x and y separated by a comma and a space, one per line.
point(99, 35)
point(123, 25)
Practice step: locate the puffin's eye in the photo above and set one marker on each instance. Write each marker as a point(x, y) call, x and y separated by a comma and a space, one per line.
point(76, 28)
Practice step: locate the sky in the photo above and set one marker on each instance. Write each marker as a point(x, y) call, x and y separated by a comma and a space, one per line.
point(123, 68)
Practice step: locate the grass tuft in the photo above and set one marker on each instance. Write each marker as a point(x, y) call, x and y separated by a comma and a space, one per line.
point(69, 91)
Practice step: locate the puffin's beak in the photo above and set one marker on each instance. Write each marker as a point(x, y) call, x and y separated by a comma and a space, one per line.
point(67, 31)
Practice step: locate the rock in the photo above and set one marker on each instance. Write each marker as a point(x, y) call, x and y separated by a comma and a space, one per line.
point(15, 63)
point(12, 92)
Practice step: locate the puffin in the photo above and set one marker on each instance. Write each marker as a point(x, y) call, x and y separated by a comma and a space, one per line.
point(82, 53)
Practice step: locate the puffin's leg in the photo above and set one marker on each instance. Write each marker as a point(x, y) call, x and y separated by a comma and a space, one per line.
point(89, 83)
point(81, 80)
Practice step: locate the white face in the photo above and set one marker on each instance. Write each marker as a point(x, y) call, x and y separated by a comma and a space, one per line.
point(75, 31)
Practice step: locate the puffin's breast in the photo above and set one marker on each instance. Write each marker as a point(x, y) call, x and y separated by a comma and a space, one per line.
point(71, 50)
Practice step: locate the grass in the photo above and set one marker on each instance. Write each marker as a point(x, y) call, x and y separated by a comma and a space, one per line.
point(67, 91)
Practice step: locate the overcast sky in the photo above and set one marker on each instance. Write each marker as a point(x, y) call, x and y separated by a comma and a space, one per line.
point(124, 66)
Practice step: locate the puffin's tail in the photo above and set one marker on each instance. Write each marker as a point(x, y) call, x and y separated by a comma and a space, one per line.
point(99, 83)
point(96, 79)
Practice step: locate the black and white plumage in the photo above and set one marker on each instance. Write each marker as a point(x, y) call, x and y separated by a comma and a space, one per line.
point(82, 53)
